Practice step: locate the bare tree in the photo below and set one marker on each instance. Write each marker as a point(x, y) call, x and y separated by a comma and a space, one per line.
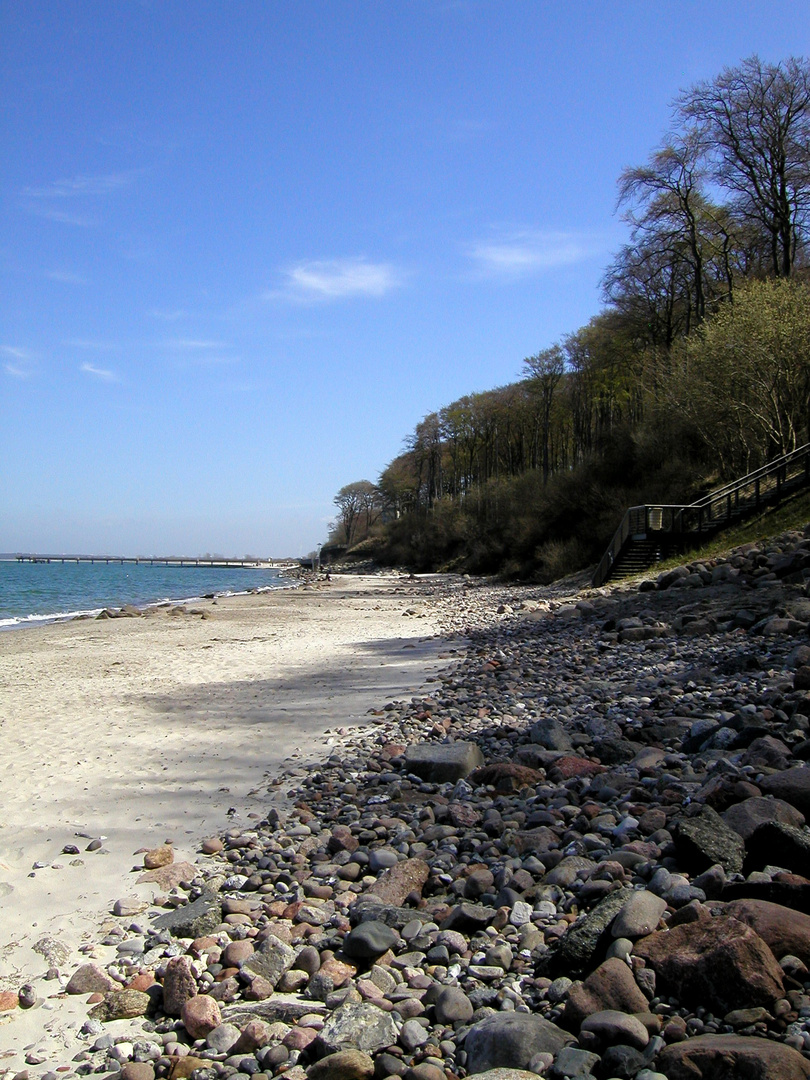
point(668, 209)
point(545, 369)
point(753, 122)
point(359, 507)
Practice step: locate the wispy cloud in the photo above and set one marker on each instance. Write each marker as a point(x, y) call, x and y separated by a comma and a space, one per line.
point(63, 217)
point(195, 344)
point(526, 252)
point(19, 364)
point(66, 277)
point(465, 129)
point(48, 200)
point(200, 352)
point(104, 374)
point(93, 344)
point(337, 279)
point(17, 372)
point(82, 185)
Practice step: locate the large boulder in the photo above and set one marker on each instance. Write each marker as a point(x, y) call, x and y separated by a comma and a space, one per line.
point(774, 843)
point(786, 932)
point(704, 840)
point(611, 986)
point(584, 945)
point(397, 883)
point(197, 919)
point(510, 1040)
point(357, 1026)
point(719, 963)
point(731, 1057)
point(441, 763)
point(792, 785)
point(746, 816)
point(270, 961)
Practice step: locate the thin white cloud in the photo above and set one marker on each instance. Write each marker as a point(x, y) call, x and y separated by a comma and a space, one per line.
point(63, 217)
point(199, 352)
point(337, 279)
point(462, 130)
point(20, 362)
point(48, 200)
point(82, 185)
point(17, 372)
point(195, 344)
point(522, 253)
point(66, 277)
point(91, 343)
point(99, 373)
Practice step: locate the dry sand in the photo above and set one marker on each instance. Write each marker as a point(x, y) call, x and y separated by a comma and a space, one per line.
point(143, 730)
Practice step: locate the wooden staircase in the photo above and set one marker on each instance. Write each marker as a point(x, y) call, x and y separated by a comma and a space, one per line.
point(649, 533)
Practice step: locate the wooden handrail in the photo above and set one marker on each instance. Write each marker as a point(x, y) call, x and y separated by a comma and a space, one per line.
point(712, 511)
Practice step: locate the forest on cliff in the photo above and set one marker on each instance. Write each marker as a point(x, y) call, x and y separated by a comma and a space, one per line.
point(696, 370)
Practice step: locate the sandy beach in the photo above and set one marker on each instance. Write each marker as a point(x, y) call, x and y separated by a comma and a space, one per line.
point(141, 730)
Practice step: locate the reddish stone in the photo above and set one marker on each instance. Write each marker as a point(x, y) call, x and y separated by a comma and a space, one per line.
point(786, 932)
point(566, 768)
point(169, 877)
point(462, 815)
point(342, 839)
point(157, 857)
point(182, 1068)
point(506, 776)
point(610, 986)
point(236, 952)
point(255, 1035)
point(398, 882)
point(719, 963)
point(259, 990)
point(338, 972)
point(392, 750)
point(200, 1015)
point(90, 979)
point(727, 1057)
point(202, 945)
point(298, 1038)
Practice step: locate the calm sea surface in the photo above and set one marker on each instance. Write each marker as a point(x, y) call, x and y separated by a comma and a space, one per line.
point(33, 593)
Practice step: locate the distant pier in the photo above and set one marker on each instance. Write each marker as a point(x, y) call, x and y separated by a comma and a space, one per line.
point(140, 560)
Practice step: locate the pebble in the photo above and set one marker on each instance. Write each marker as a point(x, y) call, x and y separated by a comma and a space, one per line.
point(500, 854)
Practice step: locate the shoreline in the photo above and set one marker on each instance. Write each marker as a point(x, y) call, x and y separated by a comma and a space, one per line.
point(135, 607)
point(171, 727)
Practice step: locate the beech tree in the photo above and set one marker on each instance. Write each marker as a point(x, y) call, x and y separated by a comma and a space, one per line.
point(745, 378)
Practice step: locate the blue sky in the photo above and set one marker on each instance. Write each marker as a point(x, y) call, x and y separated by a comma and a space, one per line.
point(246, 247)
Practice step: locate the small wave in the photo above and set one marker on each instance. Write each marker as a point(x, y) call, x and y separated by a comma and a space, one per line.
point(57, 616)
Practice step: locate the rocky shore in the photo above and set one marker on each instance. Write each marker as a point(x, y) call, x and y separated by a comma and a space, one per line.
point(583, 854)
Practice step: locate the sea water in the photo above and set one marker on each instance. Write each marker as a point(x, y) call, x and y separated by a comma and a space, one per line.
point(33, 593)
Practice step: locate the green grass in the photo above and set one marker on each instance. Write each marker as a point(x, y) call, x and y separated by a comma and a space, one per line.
point(792, 514)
